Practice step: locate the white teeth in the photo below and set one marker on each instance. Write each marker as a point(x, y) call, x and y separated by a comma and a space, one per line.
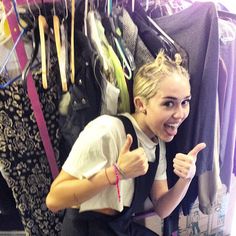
point(173, 126)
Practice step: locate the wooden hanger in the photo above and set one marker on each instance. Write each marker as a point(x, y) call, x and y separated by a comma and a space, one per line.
point(5, 33)
point(72, 43)
point(60, 51)
point(43, 28)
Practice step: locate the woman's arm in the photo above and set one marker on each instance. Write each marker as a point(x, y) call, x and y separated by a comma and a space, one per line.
point(67, 191)
point(164, 200)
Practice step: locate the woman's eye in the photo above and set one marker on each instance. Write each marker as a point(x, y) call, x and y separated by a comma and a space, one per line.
point(169, 104)
point(186, 102)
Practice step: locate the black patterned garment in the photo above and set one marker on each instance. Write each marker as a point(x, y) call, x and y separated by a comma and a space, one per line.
point(23, 162)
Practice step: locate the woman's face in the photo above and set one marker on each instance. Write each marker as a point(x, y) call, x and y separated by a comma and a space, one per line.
point(168, 108)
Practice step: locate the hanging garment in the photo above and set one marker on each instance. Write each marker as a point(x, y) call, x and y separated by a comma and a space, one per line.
point(155, 37)
point(90, 223)
point(23, 162)
point(9, 214)
point(85, 95)
point(227, 27)
point(204, 57)
point(198, 24)
point(111, 66)
point(135, 45)
point(133, 41)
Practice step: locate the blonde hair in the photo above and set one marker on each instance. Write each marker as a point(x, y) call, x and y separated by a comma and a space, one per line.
point(148, 77)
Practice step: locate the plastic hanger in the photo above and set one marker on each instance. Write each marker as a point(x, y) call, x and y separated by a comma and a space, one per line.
point(147, 5)
point(125, 62)
point(125, 54)
point(116, 33)
point(109, 7)
point(159, 29)
point(60, 47)
point(133, 5)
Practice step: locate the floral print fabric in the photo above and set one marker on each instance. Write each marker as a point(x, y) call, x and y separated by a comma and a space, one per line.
point(23, 162)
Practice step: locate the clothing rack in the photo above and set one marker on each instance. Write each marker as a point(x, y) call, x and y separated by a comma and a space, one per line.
point(31, 89)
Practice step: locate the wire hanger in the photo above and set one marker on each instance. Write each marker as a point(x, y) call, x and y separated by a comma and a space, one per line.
point(11, 52)
point(24, 30)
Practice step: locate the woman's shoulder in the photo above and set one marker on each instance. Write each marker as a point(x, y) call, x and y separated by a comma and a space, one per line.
point(104, 122)
point(104, 126)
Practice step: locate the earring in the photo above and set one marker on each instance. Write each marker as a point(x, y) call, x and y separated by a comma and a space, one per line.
point(144, 112)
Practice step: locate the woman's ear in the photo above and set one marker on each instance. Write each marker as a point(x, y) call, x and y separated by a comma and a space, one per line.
point(140, 104)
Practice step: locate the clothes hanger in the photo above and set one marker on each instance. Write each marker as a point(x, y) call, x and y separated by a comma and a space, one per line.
point(9, 82)
point(147, 5)
point(3, 66)
point(133, 5)
point(5, 33)
point(24, 30)
point(109, 7)
point(115, 31)
point(123, 51)
point(43, 29)
point(60, 47)
point(124, 60)
point(72, 43)
point(35, 46)
point(160, 30)
point(17, 14)
point(85, 17)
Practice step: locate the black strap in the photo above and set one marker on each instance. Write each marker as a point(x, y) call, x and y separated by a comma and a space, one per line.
point(129, 129)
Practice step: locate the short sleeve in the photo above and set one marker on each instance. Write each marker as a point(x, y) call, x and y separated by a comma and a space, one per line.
point(96, 147)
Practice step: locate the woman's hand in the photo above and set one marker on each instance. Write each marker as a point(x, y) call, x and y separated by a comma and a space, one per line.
point(133, 163)
point(185, 164)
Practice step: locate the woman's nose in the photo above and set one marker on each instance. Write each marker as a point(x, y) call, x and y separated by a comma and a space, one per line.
point(179, 112)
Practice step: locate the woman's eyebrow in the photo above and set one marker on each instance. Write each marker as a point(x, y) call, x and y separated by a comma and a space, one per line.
point(174, 98)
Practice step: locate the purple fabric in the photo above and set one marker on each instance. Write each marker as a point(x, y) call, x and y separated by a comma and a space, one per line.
point(196, 29)
point(228, 124)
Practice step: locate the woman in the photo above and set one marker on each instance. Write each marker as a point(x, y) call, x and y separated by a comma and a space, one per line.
point(108, 179)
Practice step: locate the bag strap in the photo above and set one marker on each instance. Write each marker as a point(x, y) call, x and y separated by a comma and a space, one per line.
point(129, 129)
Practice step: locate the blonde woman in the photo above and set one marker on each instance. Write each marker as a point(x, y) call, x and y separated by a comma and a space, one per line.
point(106, 177)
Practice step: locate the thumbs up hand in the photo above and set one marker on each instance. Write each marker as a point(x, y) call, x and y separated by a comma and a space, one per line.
point(133, 163)
point(185, 164)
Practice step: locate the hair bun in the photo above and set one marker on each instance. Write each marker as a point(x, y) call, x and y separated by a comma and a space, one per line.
point(178, 59)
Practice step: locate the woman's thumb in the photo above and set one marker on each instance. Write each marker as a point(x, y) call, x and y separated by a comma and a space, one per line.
point(197, 149)
point(127, 145)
